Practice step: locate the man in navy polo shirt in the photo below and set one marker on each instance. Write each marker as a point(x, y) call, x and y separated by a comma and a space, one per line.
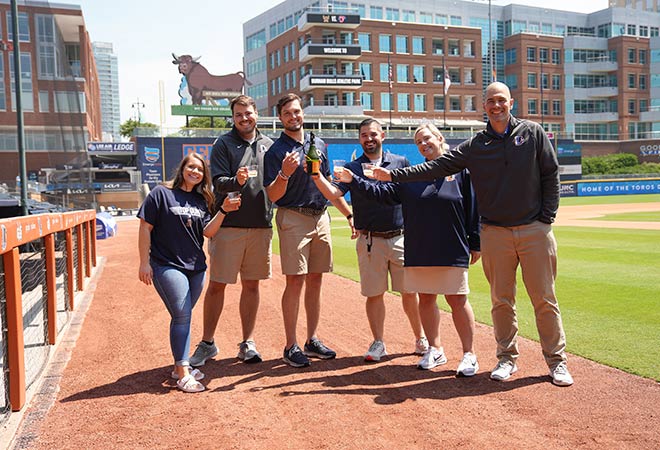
point(380, 243)
point(303, 226)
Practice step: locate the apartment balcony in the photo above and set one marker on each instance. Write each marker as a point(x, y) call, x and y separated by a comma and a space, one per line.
point(597, 117)
point(313, 81)
point(332, 110)
point(312, 18)
point(326, 51)
point(650, 116)
point(596, 92)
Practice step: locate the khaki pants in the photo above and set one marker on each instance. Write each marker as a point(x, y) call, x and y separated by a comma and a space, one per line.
point(534, 248)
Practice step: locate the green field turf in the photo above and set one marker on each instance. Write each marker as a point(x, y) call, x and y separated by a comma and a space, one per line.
point(608, 288)
point(610, 199)
point(651, 216)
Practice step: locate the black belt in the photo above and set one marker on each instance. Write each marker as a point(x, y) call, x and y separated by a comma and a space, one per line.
point(306, 211)
point(382, 234)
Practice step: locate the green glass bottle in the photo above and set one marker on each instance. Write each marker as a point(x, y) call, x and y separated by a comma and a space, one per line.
point(313, 157)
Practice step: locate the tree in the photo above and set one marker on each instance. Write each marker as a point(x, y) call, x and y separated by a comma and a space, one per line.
point(127, 128)
point(205, 122)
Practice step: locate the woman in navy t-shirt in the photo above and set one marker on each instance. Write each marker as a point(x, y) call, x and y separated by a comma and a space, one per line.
point(174, 219)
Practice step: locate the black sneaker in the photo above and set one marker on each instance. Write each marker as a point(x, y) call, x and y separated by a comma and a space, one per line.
point(295, 357)
point(316, 349)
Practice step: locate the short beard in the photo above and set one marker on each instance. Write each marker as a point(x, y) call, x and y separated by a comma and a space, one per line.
point(293, 128)
point(372, 151)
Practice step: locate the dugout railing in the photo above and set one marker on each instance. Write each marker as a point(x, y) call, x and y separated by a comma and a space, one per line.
point(44, 261)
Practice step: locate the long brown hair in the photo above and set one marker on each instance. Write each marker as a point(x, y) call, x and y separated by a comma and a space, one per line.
point(203, 187)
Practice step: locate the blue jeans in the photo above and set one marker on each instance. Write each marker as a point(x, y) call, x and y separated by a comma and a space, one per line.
point(180, 290)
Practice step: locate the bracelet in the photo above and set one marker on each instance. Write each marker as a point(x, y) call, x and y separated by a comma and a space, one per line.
point(220, 209)
point(284, 177)
point(349, 217)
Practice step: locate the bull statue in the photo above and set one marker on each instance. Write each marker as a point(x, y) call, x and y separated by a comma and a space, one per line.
point(200, 80)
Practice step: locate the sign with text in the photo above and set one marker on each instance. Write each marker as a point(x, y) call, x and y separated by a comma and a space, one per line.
point(201, 110)
point(111, 147)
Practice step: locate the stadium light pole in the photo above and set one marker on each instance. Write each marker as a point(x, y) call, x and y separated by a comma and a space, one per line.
point(20, 126)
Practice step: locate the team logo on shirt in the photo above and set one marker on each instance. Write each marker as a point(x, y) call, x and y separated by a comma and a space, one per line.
point(450, 178)
point(519, 140)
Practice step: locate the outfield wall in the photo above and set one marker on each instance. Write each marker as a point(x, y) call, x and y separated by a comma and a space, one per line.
point(592, 188)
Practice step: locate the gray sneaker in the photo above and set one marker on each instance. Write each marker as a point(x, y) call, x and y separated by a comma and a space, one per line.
point(203, 352)
point(247, 352)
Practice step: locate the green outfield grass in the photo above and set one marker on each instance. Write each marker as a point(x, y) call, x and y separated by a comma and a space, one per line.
point(610, 199)
point(608, 288)
point(651, 216)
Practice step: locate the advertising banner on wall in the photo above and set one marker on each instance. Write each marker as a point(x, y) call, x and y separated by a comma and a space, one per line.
point(619, 187)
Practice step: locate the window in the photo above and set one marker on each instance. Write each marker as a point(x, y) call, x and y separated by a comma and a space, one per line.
point(469, 103)
point(287, 83)
point(376, 12)
point(438, 46)
point(50, 65)
point(556, 82)
point(289, 22)
point(468, 48)
point(468, 76)
point(402, 73)
point(556, 58)
point(543, 55)
point(655, 31)
point(544, 81)
point(272, 30)
point(510, 56)
point(419, 74)
point(330, 99)
point(347, 68)
point(385, 101)
point(631, 80)
point(643, 105)
point(293, 78)
point(408, 15)
point(360, 8)
point(3, 100)
point(531, 106)
point(454, 48)
point(438, 75)
point(364, 39)
point(632, 55)
point(642, 56)
point(441, 19)
point(365, 71)
point(402, 44)
point(556, 107)
point(425, 17)
point(69, 102)
point(642, 81)
point(367, 100)
point(531, 54)
point(403, 102)
point(454, 75)
point(418, 45)
point(256, 66)
point(420, 102)
point(456, 20)
point(531, 80)
point(286, 54)
point(631, 30)
point(26, 82)
point(438, 103)
point(23, 27)
point(384, 72)
point(392, 14)
point(632, 107)
point(385, 43)
point(347, 98)
point(644, 30)
point(454, 103)
point(544, 107)
point(346, 38)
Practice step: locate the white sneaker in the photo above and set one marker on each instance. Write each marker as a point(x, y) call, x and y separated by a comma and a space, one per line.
point(560, 375)
point(421, 346)
point(376, 351)
point(503, 370)
point(468, 366)
point(432, 358)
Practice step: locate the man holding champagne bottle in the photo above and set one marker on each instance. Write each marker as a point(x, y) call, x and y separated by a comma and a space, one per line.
point(303, 226)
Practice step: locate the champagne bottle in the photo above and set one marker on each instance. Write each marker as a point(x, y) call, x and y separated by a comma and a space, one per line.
point(313, 157)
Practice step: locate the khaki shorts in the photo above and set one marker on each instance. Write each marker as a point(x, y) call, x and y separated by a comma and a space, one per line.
point(305, 243)
point(443, 280)
point(385, 257)
point(240, 250)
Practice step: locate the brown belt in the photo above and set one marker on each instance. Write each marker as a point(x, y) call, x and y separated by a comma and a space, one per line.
point(306, 211)
point(382, 234)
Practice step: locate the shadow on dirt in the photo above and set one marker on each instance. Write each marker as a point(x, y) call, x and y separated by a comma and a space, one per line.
point(386, 382)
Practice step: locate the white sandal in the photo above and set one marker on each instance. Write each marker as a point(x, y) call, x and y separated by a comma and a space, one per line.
point(195, 373)
point(189, 384)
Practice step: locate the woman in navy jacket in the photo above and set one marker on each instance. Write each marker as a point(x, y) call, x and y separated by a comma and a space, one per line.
point(441, 229)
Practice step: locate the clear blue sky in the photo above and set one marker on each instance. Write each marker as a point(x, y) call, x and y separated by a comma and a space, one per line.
point(145, 33)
